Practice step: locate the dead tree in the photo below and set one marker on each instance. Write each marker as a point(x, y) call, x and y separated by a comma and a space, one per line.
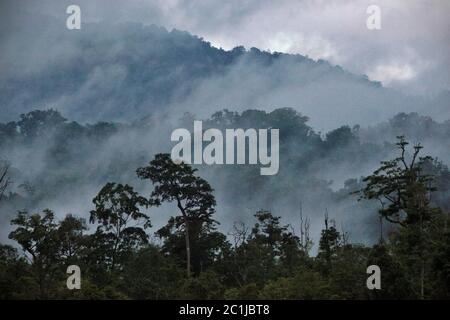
point(239, 233)
point(305, 240)
point(345, 235)
point(4, 180)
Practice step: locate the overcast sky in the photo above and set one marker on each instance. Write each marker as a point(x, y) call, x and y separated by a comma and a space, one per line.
point(410, 52)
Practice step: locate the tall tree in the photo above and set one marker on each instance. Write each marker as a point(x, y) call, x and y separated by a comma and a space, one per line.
point(404, 192)
point(178, 183)
point(122, 224)
point(330, 242)
point(401, 187)
point(207, 245)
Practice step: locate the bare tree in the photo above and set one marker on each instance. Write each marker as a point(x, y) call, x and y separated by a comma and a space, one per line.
point(4, 179)
point(239, 233)
point(305, 240)
point(345, 235)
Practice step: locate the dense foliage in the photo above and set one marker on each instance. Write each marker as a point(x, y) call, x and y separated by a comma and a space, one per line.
point(267, 260)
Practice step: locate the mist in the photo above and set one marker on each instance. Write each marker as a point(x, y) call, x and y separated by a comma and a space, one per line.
point(142, 80)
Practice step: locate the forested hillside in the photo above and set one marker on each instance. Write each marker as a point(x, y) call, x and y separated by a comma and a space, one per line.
point(123, 72)
point(86, 179)
point(267, 259)
point(62, 164)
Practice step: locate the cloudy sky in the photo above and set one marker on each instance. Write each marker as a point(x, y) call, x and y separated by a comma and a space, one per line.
point(410, 52)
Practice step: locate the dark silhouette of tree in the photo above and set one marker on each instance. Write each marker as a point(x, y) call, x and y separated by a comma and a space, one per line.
point(4, 179)
point(37, 235)
point(207, 245)
point(395, 284)
point(39, 122)
point(404, 191)
point(151, 274)
point(267, 260)
point(192, 195)
point(117, 207)
point(330, 242)
point(71, 238)
point(401, 187)
point(14, 275)
point(268, 251)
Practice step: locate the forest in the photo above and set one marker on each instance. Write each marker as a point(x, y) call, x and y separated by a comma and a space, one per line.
point(359, 179)
point(122, 256)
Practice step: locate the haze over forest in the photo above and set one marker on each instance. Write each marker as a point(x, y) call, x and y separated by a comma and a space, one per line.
point(119, 89)
point(88, 184)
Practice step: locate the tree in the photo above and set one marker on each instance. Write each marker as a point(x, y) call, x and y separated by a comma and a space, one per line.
point(204, 287)
point(348, 277)
point(71, 238)
point(38, 122)
point(330, 242)
point(37, 234)
point(267, 252)
point(207, 245)
point(401, 187)
point(283, 248)
point(178, 183)
point(441, 263)
point(116, 207)
point(305, 284)
point(14, 275)
point(4, 179)
point(340, 138)
point(150, 274)
point(404, 191)
point(393, 277)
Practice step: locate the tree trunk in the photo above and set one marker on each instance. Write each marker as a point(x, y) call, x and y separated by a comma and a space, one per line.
point(188, 247)
point(422, 258)
point(422, 280)
point(186, 235)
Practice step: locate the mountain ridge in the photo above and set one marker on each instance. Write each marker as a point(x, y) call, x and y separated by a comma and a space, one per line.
point(125, 71)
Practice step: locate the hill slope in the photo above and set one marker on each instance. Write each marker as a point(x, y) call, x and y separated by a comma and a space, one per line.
point(122, 72)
